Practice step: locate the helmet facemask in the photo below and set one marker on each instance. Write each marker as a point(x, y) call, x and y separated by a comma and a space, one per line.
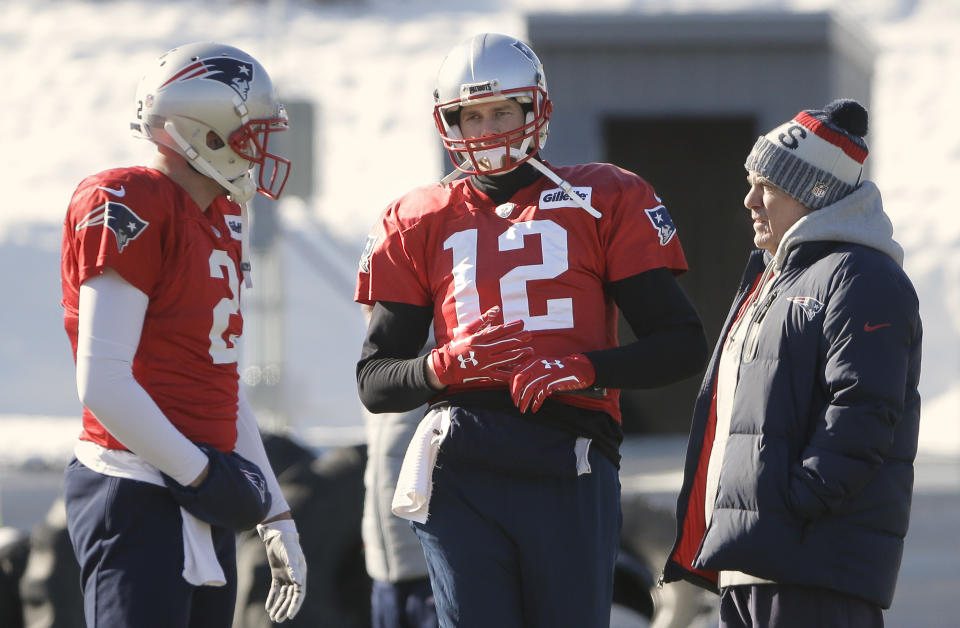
point(251, 141)
point(495, 154)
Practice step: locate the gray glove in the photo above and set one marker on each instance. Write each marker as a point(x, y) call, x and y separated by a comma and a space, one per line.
point(288, 568)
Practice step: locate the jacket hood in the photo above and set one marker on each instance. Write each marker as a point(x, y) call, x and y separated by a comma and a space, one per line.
point(857, 218)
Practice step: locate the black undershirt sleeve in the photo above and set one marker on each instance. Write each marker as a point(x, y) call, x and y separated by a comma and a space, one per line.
point(670, 345)
point(390, 373)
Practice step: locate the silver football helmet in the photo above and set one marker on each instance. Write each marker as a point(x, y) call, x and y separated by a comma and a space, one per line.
point(216, 106)
point(485, 68)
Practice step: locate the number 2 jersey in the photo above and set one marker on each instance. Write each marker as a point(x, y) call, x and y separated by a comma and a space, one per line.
point(139, 223)
point(540, 256)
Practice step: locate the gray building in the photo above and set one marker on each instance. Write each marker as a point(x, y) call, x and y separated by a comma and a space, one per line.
point(679, 99)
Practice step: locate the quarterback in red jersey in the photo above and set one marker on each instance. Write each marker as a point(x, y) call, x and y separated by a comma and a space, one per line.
point(140, 224)
point(521, 268)
point(170, 463)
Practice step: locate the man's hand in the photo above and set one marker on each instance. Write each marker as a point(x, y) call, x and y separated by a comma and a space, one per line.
point(288, 568)
point(538, 378)
point(231, 491)
point(482, 351)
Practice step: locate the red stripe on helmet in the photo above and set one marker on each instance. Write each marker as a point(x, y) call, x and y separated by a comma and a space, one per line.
point(190, 68)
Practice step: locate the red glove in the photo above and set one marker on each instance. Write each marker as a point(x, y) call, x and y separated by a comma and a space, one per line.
point(536, 379)
point(482, 352)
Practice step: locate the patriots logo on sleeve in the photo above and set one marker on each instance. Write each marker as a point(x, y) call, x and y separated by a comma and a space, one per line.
point(810, 306)
point(374, 238)
point(662, 222)
point(368, 248)
point(120, 219)
point(232, 72)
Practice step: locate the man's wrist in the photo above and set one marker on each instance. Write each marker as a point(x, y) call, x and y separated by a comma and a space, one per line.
point(430, 373)
point(280, 525)
point(200, 478)
point(283, 515)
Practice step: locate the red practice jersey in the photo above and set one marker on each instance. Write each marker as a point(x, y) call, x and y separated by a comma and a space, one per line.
point(142, 225)
point(541, 257)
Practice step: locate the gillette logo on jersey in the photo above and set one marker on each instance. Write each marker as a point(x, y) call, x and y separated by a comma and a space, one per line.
point(552, 199)
point(227, 70)
point(120, 219)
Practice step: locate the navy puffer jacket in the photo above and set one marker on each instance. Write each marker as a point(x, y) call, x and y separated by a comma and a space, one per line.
point(817, 476)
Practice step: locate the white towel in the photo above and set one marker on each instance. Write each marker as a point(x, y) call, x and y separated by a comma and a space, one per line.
point(200, 564)
point(581, 449)
point(411, 499)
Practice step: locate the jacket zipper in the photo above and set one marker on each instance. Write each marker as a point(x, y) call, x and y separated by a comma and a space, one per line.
point(753, 333)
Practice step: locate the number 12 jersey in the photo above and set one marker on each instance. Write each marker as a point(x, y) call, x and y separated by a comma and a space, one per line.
point(541, 257)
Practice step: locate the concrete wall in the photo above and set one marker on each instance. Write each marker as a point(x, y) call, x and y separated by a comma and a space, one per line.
point(765, 65)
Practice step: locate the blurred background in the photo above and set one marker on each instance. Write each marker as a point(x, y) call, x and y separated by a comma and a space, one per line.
point(676, 90)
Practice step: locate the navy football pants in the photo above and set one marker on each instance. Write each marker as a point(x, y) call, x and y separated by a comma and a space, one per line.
point(794, 606)
point(516, 551)
point(128, 538)
point(407, 604)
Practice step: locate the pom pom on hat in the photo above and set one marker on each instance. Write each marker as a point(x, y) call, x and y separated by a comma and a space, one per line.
point(817, 157)
point(849, 115)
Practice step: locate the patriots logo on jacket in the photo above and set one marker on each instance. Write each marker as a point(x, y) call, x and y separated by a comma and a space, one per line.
point(662, 222)
point(120, 219)
point(232, 72)
point(810, 306)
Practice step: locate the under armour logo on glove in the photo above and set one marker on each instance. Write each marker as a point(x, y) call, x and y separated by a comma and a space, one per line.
point(535, 380)
point(482, 351)
point(470, 360)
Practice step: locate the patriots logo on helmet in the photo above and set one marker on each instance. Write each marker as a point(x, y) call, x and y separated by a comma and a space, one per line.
point(662, 222)
point(232, 72)
point(120, 219)
point(809, 305)
point(525, 49)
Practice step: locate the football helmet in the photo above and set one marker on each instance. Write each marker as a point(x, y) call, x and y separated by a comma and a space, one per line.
point(216, 106)
point(485, 68)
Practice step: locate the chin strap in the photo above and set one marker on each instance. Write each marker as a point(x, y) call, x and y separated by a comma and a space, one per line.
point(241, 189)
point(245, 267)
point(518, 154)
point(453, 176)
point(550, 174)
point(565, 186)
